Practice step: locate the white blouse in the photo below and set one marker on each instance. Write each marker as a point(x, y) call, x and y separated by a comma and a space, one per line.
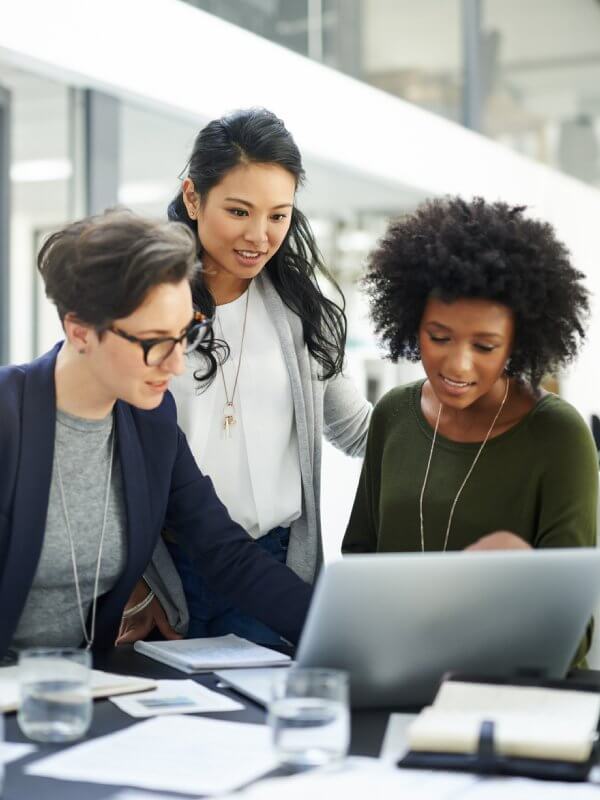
point(256, 469)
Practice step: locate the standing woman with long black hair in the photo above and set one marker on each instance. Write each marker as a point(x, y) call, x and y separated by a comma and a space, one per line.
point(256, 428)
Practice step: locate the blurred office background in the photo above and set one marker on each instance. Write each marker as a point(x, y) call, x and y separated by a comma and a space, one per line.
point(390, 101)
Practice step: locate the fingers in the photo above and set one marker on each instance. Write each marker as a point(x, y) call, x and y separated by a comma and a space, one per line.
point(133, 631)
point(162, 623)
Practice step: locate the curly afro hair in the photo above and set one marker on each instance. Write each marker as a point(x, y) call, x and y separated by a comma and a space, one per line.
point(460, 249)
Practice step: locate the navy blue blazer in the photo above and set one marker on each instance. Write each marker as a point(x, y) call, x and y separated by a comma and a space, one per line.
point(162, 486)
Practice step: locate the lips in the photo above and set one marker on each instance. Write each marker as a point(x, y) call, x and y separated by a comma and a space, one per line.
point(249, 257)
point(456, 384)
point(158, 386)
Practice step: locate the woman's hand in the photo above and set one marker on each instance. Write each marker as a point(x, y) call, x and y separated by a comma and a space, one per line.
point(139, 625)
point(500, 540)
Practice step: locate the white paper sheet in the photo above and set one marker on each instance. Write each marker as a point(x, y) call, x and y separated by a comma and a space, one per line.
point(175, 697)
point(132, 794)
point(12, 751)
point(526, 789)
point(191, 755)
point(395, 743)
point(361, 779)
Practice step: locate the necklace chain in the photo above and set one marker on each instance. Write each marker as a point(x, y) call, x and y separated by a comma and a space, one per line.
point(229, 408)
point(89, 638)
point(467, 476)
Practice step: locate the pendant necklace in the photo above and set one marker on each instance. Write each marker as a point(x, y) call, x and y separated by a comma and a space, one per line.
point(88, 637)
point(229, 418)
point(467, 476)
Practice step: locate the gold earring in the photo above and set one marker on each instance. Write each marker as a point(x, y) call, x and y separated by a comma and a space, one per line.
point(192, 214)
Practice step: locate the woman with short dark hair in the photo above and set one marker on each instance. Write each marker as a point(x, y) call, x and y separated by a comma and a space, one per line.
point(93, 463)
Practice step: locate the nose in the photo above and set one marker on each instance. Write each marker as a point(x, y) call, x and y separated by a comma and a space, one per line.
point(459, 363)
point(256, 231)
point(174, 364)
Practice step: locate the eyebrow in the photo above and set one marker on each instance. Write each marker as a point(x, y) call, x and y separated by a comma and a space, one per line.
point(250, 205)
point(491, 334)
point(157, 332)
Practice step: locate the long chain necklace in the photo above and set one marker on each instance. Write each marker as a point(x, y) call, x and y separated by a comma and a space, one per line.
point(229, 409)
point(467, 476)
point(89, 638)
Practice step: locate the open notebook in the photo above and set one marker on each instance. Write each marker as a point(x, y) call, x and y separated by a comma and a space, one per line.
point(104, 684)
point(529, 722)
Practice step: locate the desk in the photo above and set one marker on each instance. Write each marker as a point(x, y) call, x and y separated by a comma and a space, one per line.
point(368, 728)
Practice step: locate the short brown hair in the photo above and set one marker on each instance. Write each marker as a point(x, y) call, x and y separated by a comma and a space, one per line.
point(101, 268)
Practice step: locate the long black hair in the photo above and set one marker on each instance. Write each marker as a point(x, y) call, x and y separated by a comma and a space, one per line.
point(257, 136)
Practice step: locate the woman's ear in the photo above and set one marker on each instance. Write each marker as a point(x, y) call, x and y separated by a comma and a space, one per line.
point(78, 334)
point(191, 200)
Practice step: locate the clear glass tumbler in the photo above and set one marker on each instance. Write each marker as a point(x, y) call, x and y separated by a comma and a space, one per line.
point(56, 698)
point(309, 716)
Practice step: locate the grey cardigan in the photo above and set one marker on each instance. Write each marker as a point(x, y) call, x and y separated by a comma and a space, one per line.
point(333, 408)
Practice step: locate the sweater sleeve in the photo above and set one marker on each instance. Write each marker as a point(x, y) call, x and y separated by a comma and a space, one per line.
point(346, 415)
point(569, 485)
point(361, 532)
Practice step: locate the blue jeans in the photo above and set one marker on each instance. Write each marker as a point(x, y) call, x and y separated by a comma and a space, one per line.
point(210, 613)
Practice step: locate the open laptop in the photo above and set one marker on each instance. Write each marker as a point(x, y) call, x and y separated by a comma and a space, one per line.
point(398, 622)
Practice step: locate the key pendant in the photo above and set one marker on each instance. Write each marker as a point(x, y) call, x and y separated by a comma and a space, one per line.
point(229, 419)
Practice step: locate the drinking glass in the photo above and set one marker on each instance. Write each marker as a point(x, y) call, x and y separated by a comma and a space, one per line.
point(309, 716)
point(56, 699)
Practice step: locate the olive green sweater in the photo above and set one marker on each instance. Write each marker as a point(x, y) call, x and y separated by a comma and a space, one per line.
point(539, 480)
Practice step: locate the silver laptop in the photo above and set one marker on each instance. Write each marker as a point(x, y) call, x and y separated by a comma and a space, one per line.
point(398, 622)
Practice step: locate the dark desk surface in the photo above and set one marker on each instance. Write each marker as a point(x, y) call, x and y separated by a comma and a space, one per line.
point(368, 728)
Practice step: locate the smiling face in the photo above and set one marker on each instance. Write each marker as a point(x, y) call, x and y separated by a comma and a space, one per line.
point(117, 365)
point(464, 349)
point(243, 220)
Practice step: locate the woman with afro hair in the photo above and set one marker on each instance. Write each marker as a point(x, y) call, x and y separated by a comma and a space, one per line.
point(477, 454)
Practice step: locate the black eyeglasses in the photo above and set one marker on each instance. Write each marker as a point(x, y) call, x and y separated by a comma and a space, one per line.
point(158, 350)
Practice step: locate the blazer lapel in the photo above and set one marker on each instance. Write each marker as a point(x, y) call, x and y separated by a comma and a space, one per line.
point(32, 489)
point(140, 539)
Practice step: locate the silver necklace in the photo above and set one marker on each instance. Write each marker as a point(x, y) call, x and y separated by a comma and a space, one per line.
point(467, 476)
point(229, 409)
point(89, 638)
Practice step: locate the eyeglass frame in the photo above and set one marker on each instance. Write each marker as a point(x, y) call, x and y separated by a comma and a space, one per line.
point(199, 321)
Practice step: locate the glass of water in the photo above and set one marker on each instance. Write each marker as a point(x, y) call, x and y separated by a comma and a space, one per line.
point(309, 716)
point(56, 698)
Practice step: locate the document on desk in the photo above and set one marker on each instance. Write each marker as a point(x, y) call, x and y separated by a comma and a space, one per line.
point(191, 755)
point(395, 740)
point(13, 751)
point(103, 685)
point(175, 697)
point(362, 779)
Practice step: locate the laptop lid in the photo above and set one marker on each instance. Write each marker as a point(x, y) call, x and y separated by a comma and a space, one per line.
point(398, 622)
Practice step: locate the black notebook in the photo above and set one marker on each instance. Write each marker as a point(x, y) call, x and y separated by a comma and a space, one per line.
point(508, 728)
